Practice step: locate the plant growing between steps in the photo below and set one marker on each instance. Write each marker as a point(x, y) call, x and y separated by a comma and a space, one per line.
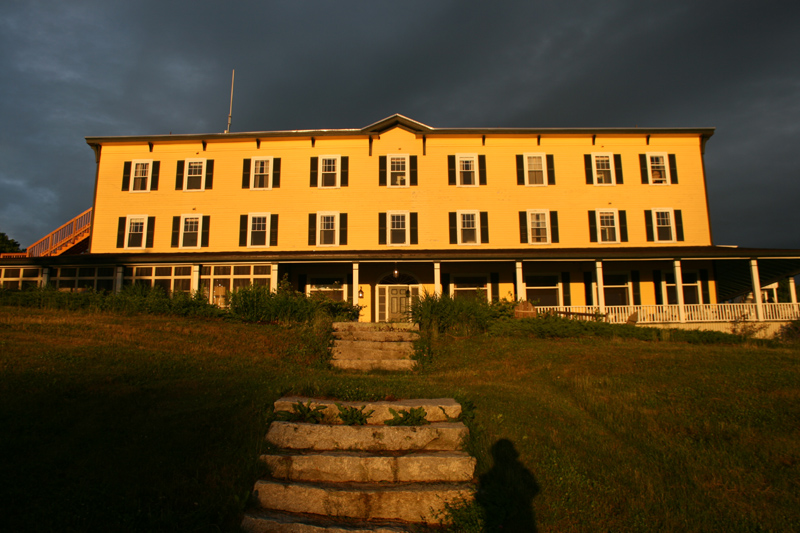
point(353, 416)
point(302, 413)
point(416, 417)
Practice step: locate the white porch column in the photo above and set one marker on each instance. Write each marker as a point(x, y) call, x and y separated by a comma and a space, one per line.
point(273, 277)
point(437, 278)
point(195, 279)
point(355, 284)
point(756, 289)
point(679, 290)
point(520, 283)
point(119, 279)
point(792, 290)
point(601, 293)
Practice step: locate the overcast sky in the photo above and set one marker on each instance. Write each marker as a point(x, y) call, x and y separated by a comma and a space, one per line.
point(72, 69)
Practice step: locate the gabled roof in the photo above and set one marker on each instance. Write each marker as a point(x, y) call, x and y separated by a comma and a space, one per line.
point(397, 120)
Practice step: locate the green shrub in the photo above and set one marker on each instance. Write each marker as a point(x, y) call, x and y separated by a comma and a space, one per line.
point(790, 332)
point(417, 416)
point(353, 416)
point(462, 316)
point(302, 413)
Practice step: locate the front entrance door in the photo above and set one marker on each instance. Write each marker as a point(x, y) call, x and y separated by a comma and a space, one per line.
point(394, 301)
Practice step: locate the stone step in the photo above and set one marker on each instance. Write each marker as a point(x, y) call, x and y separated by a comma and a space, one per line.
point(380, 336)
point(368, 365)
point(261, 521)
point(372, 350)
point(375, 326)
point(362, 467)
point(436, 409)
point(439, 436)
point(415, 502)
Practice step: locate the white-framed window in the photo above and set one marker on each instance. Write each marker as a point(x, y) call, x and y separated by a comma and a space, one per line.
point(663, 225)
point(397, 228)
point(468, 227)
point(692, 291)
point(603, 169)
point(543, 289)
point(538, 226)
point(467, 170)
point(399, 168)
point(140, 175)
point(332, 288)
point(194, 174)
point(607, 225)
point(470, 288)
point(191, 228)
point(329, 171)
point(328, 228)
point(658, 169)
point(136, 231)
point(258, 229)
point(535, 167)
point(261, 173)
point(617, 288)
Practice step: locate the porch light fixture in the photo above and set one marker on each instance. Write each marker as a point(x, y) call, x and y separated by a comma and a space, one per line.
point(360, 292)
point(396, 273)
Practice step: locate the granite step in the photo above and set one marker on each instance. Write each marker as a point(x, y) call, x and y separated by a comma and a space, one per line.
point(368, 365)
point(262, 521)
point(372, 350)
point(436, 409)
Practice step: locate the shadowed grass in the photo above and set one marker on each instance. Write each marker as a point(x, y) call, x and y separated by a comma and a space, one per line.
point(145, 423)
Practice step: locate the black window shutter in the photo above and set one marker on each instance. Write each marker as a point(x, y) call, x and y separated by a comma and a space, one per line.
point(643, 167)
point(554, 226)
point(126, 176)
point(342, 228)
point(382, 171)
point(520, 170)
point(551, 170)
point(657, 287)
point(413, 172)
point(588, 293)
point(673, 169)
point(206, 230)
point(484, 227)
point(413, 231)
point(154, 176)
point(276, 172)
point(176, 231)
point(121, 226)
point(345, 171)
point(452, 217)
point(587, 163)
point(523, 227)
point(494, 279)
point(592, 227)
point(381, 228)
point(312, 229)
point(245, 175)
point(209, 174)
point(243, 230)
point(618, 167)
point(648, 225)
point(445, 284)
point(151, 232)
point(565, 289)
point(637, 295)
point(451, 170)
point(314, 164)
point(179, 176)
point(704, 286)
point(482, 169)
point(623, 226)
point(678, 225)
point(273, 230)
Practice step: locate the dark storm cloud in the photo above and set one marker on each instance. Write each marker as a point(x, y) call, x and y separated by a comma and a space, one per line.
point(72, 69)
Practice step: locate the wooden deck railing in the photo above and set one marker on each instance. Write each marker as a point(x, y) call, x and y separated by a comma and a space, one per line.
point(64, 237)
point(661, 314)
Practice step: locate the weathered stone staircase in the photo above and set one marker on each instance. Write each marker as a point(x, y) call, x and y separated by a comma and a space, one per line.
point(333, 478)
point(374, 346)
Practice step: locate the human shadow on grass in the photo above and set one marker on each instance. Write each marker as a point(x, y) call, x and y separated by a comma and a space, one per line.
point(506, 492)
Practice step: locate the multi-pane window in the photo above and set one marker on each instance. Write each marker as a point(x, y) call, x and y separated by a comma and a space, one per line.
point(398, 176)
point(258, 230)
point(616, 289)
point(466, 170)
point(136, 228)
point(261, 169)
point(603, 170)
point(469, 288)
point(191, 232)
point(663, 225)
point(538, 227)
point(397, 229)
point(141, 173)
point(327, 229)
point(194, 175)
point(328, 172)
point(658, 170)
point(534, 165)
point(607, 224)
point(543, 290)
point(468, 228)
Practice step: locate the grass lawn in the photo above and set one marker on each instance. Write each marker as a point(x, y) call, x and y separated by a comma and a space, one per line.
point(141, 423)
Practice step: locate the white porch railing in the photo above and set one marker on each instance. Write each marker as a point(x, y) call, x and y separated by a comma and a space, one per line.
point(661, 314)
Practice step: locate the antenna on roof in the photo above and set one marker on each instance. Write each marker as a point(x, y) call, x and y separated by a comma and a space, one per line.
point(230, 112)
